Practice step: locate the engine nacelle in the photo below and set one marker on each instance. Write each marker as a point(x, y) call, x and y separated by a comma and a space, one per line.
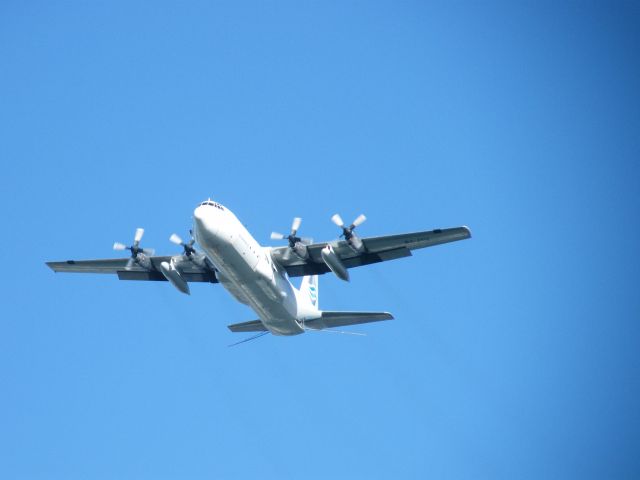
point(301, 250)
point(334, 263)
point(355, 243)
point(144, 261)
point(172, 274)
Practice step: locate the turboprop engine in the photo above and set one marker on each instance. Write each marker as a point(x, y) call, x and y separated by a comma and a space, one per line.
point(139, 255)
point(348, 232)
point(190, 254)
point(334, 263)
point(171, 269)
point(297, 245)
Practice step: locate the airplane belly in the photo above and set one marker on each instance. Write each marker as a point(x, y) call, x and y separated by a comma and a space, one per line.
point(276, 308)
point(270, 296)
point(231, 287)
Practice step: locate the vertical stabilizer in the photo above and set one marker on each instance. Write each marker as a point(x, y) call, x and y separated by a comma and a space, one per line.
point(309, 290)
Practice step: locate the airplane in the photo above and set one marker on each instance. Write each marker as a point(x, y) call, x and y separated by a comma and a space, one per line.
point(259, 276)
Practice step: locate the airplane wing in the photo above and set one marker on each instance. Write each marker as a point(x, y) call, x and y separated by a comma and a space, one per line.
point(377, 249)
point(189, 271)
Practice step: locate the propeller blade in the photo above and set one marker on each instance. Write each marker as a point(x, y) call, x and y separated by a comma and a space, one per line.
point(138, 236)
point(358, 221)
point(129, 264)
point(295, 225)
point(119, 246)
point(277, 236)
point(175, 239)
point(306, 240)
point(149, 251)
point(286, 256)
point(337, 219)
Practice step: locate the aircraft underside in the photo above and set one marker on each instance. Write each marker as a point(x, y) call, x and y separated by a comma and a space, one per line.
point(259, 276)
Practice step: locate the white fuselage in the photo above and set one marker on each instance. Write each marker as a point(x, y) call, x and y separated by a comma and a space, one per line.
point(248, 272)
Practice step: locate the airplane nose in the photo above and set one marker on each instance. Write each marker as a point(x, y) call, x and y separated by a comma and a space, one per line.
point(200, 218)
point(199, 214)
point(204, 225)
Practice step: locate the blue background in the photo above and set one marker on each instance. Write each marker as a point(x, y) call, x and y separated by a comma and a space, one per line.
point(514, 354)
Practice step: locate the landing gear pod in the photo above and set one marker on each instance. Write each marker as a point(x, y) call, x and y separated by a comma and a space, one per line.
point(172, 274)
point(334, 263)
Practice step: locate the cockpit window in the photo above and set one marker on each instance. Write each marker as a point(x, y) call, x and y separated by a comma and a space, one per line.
point(212, 204)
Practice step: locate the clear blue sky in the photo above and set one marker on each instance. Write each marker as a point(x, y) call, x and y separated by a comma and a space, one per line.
point(515, 355)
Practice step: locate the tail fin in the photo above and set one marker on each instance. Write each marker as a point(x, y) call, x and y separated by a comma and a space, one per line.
point(309, 289)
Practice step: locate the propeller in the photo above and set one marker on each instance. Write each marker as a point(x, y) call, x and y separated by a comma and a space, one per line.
point(135, 248)
point(190, 253)
point(347, 232)
point(188, 247)
point(293, 239)
point(296, 244)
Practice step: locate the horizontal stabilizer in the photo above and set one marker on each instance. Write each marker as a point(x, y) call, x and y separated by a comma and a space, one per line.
point(251, 326)
point(343, 319)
